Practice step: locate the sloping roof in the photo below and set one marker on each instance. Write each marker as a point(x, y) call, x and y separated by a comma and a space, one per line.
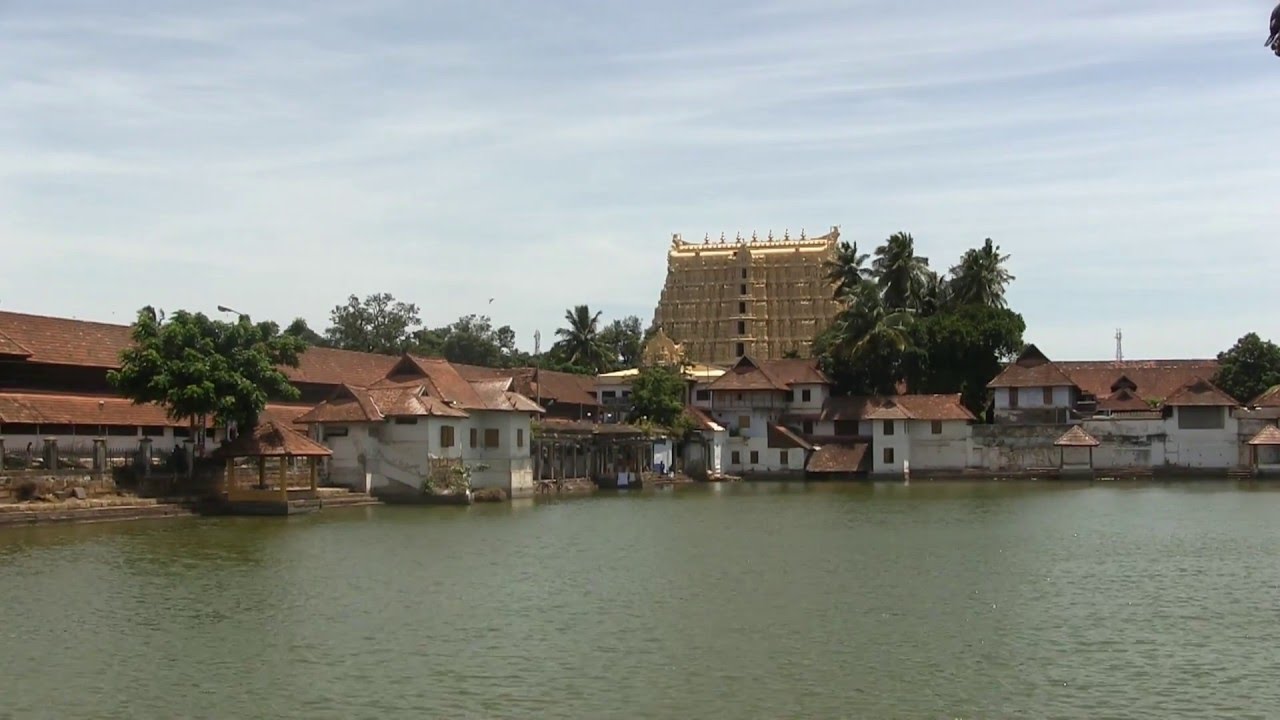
point(1031, 369)
point(581, 428)
point(1076, 437)
point(64, 341)
point(782, 438)
point(1270, 435)
point(346, 404)
point(12, 348)
point(283, 413)
point(848, 408)
point(326, 366)
point(933, 407)
point(560, 387)
point(85, 410)
point(1155, 380)
point(846, 458)
point(1124, 401)
point(271, 439)
point(1268, 399)
point(895, 407)
point(749, 374)
point(1200, 393)
point(887, 411)
point(701, 420)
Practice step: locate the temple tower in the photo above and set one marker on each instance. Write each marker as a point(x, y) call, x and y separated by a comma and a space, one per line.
point(762, 297)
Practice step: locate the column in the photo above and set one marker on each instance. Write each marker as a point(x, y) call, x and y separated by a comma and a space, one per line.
point(315, 474)
point(229, 478)
point(144, 455)
point(189, 452)
point(284, 479)
point(1, 452)
point(262, 473)
point(51, 454)
point(99, 455)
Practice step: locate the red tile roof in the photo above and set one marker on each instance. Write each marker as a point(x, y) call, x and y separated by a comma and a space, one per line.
point(12, 348)
point(1154, 379)
point(1076, 437)
point(701, 420)
point(560, 387)
point(933, 407)
point(327, 366)
point(85, 410)
point(781, 437)
point(1031, 369)
point(1200, 393)
point(270, 439)
point(844, 458)
point(896, 407)
point(750, 374)
point(1124, 401)
point(580, 428)
point(1270, 435)
point(1268, 399)
point(283, 413)
point(64, 341)
point(346, 404)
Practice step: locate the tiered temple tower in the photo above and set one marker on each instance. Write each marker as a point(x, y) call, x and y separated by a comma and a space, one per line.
point(759, 296)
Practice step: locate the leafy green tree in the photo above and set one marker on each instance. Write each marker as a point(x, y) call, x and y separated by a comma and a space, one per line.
point(624, 339)
point(377, 324)
point(197, 368)
point(472, 340)
point(580, 343)
point(962, 350)
point(900, 273)
point(1249, 368)
point(847, 270)
point(299, 329)
point(657, 394)
point(863, 349)
point(981, 277)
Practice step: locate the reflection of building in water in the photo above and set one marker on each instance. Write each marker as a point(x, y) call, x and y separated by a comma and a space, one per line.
point(763, 297)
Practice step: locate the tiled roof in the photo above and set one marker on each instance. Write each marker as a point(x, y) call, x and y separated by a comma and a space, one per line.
point(1200, 393)
point(752, 374)
point(270, 439)
point(1031, 369)
point(1154, 379)
point(12, 348)
point(1268, 399)
point(701, 420)
point(559, 387)
point(1076, 437)
point(848, 408)
point(580, 428)
point(896, 407)
point(1270, 435)
point(327, 366)
point(781, 437)
point(346, 404)
point(888, 412)
point(933, 407)
point(1124, 401)
point(85, 410)
point(834, 458)
point(283, 413)
point(64, 341)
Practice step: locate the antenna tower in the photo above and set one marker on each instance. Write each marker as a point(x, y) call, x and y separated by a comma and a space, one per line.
point(1119, 345)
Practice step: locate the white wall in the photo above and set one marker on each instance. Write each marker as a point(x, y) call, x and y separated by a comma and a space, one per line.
point(1032, 398)
point(768, 460)
point(948, 450)
point(899, 441)
point(817, 396)
point(1202, 449)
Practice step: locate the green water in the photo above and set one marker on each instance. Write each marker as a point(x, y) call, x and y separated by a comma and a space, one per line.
point(751, 601)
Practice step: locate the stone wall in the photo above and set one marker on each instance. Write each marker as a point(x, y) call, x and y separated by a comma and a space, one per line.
point(19, 486)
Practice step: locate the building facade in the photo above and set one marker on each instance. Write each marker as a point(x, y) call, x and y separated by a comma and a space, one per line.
point(764, 297)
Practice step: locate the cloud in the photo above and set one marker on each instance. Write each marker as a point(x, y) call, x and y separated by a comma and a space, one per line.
point(278, 158)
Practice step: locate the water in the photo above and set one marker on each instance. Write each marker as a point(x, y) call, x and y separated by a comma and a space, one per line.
point(754, 601)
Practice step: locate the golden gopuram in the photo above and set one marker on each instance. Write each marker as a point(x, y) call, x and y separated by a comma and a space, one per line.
point(763, 297)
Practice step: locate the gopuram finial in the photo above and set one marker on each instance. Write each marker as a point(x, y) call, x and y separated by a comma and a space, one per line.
point(801, 233)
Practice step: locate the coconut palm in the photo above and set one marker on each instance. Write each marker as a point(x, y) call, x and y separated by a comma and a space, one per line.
point(981, 278)
point(900, 273)
point(866, 322)
point(846, 270)
point(936, 294)
point(580, 342)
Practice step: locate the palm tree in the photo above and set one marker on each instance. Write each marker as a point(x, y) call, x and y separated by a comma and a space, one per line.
point(936, 294)
point(900, 273)
point(580, 341)
point(981, 278)
point(845, 271)
point(866, 322)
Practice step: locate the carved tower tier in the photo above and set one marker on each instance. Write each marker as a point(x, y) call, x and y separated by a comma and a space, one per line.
point(755, 296)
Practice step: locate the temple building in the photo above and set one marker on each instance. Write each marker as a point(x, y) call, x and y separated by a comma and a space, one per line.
point(764, 297)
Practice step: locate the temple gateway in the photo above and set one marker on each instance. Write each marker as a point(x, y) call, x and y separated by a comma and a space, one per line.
point(763, 297)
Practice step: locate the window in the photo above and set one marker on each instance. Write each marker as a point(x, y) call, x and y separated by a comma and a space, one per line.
point(704, 395)
point(888, 427)
point(1199, 418)
point(406, 421)
point(742, 327)
point(735, 458)
point(936, 427)
point(519, 437)
point(755, 457)
point(626, 394)
point(739, 397)
point(742, 308)
point(744, 273)
point(1013, 397)
point(127, 431)
point(473, 433)
point(741, 349)
point(446, 436)
point(847, 428)
point(888, 456)
point(491, 437)
point(744, 421)
point(782, 458)
point(1048, 397)
point(21, 429)
point(66, 430)
point(791, 396)
point(178, 432)
point(808, 427)
point(609, 394)
point(742, 289)
point(332, 431)
point(806, 395)
point(153, 431)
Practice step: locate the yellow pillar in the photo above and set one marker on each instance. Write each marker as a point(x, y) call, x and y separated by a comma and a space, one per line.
point(284, 479)
point(315, 473)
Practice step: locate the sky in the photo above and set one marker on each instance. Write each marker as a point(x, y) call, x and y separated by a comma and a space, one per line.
point(278, 157)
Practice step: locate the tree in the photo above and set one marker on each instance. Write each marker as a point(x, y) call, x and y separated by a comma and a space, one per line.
point(846, 271)
point(624, 339)
point(864, 348)
point(197, 368)
point(299, 329)
point(580, 342)
point(981, 277)
point(961, 350)
point(1249, 368)
point(900, 273)
point(657, 395)
point(377, 324)
point(472, 340)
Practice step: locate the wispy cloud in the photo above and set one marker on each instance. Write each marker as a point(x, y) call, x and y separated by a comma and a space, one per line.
point(278, 157)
